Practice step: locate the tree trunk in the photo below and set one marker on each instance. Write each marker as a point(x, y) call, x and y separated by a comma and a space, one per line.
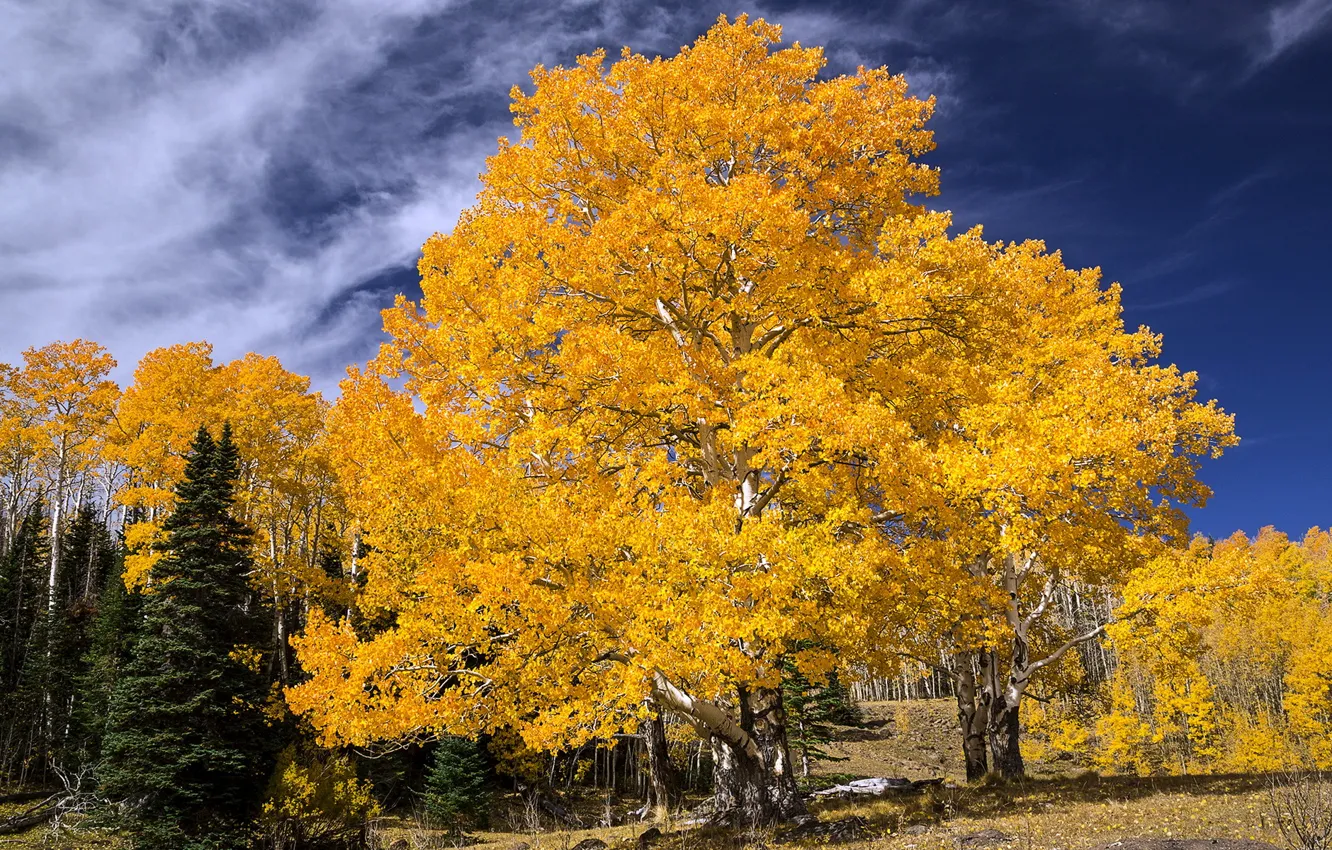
point(664, 785)
point(973, 720)
point(757, 786)
point(755, 783)
point(1006, 740)
point(57, 505)
point(55, 554)
point(804, 752)
point(1006, 699)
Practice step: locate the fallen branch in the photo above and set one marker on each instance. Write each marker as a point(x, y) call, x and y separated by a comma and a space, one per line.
point(25, 820)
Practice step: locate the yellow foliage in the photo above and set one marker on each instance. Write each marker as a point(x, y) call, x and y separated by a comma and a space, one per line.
point(682, 384)
point(514, 758)
point(142, 550)
point(249, 657)
point(1235, 641)
point(1308, 695)
point(54, 412)
point(315, 799)
point(285, 491)
point(1257, 745)
point(1123, 740)
point(1056, 729)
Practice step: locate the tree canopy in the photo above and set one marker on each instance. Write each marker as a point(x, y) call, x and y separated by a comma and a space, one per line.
point(699, 384)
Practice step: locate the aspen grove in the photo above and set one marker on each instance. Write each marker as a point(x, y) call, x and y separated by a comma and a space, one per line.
point(705, 418)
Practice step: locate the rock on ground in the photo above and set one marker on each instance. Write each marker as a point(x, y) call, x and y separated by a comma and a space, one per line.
point(984, 839)
point(827, 832)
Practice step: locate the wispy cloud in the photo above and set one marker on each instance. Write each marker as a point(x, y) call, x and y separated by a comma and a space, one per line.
point(1023, 212)
point(1197, 53)
point(1195, 295)
point(141, 209)
point(1291, 25)
point(1163, 265)
point(1225, 205)
point(257, 174)
point(1231, 192)
point(1191, 245)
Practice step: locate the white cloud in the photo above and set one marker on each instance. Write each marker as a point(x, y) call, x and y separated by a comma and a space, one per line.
point(1194, 295)
point(132, 210)
point(241, 171)
point(1292, 24)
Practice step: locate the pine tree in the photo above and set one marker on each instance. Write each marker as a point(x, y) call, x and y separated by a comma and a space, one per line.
point(29, 710)
point(47, 637)
point(187, 746)
point(457, 783)
point(110, 639)
point(23, 637)
point(812, 709)
point(86, 557)
point(22, 584)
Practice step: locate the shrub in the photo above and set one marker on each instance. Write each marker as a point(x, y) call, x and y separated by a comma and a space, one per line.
point(1302, 805)
point(316, 802)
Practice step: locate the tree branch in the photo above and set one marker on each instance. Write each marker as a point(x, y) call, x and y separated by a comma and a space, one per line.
point(1068, 644)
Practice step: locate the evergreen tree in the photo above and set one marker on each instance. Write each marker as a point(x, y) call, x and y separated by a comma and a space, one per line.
point(23, 639)
point(187, 746)
point(457, 791)
point(57, 619)
point(86, 557)
point(110, 639)
point(28, 712)
point(812, 709)
point(22, 592)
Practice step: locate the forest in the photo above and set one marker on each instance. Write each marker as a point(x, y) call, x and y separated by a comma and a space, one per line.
point(708, 443)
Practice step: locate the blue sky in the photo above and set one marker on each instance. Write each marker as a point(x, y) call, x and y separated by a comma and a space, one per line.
point(262, 175)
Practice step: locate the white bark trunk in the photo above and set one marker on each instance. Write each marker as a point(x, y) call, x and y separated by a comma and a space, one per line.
point(705, 715)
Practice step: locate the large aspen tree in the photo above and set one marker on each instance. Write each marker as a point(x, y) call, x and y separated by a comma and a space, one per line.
point(684, 388)
point(650, 394)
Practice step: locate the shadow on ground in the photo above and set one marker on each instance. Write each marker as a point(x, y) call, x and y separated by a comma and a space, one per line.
point(996, 798)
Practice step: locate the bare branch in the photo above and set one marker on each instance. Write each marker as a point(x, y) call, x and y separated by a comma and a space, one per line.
point(1059, 653)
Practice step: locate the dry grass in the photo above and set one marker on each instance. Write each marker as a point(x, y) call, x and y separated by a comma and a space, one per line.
point(43, 837)
point(917, 739)
point(1078, 813)
point(1058, 808)
point(1071, 814)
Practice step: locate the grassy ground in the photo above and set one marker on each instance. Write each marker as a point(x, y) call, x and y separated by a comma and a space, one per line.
point(42, 836)
point(1077, 813)
point(917, 739)
point(1072, 814)
point(1059, 807)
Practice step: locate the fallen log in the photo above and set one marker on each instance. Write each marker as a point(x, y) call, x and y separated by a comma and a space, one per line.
point(35, 816)
point(879, 786)
point(557, 811)
point(845, 831)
